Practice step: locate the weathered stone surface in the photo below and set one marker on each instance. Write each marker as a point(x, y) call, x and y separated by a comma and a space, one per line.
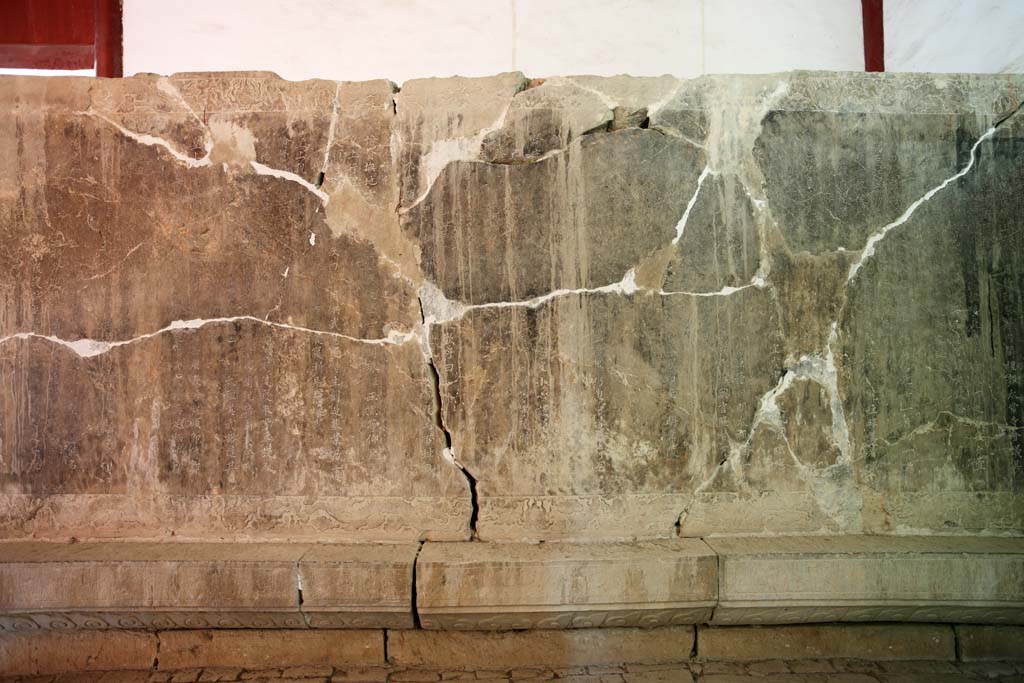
point(267, 648)
point(204, 585)
point(560, 585)
point(865, 578)
point(254, 372)
point(148, 585)
point(358, 586)
point(55, 652)
point(232, 306)
point(854, 641)
point(510, 649)
point(990, 643)
point(578, 381)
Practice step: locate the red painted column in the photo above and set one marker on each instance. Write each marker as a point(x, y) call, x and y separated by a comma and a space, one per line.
point(109, 46)
point(874, 35)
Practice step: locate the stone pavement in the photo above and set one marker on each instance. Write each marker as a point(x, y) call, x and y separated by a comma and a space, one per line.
point(775, 671)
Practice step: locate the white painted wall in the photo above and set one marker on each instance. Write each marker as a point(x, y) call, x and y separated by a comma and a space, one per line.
point(981, 36)
point(403, 39)
point(47, 72)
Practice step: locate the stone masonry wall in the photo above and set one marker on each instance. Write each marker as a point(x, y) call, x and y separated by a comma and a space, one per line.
point(233, 306)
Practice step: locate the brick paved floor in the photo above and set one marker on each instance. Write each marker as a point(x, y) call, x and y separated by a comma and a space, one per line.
point(777, 671)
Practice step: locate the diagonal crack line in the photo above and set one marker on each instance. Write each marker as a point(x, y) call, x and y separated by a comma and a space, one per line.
point(87, 348)
point(263, 169)
point(152, 141)
point(681, 225)
point(438, 404)
point(881, 233)
point(192, 162)
point(701, 488)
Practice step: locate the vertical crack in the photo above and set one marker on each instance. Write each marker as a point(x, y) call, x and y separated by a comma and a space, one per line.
point(449, 450)
point(415, 607)
point(719, 580)
point(299, 599)
point(156, 655)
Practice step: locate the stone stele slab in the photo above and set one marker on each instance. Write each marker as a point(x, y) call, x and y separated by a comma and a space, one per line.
point(202, 331)
point(786, 303)
point(578, 309)
point(161, 586)
point(864, 578)
point(561, 585)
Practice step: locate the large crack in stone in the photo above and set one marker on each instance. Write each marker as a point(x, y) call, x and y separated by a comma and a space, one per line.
point(835, 489)
point(593, 334)
point(87, 348)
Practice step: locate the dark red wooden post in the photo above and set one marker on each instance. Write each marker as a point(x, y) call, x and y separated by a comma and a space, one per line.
point(47, 34)
point(109, 46)
point(874, 35)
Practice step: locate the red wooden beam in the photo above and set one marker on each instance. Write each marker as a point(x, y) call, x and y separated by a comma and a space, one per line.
point(47, 22)
point(47, 34)
point(109, 43)
point(37, 56)
point(874, 35)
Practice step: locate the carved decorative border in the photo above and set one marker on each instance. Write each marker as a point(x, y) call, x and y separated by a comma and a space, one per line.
point(22, 622)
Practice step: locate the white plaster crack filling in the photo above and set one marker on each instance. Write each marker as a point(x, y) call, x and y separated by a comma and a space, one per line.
point(756, 282)
point(881, 233)
point(833, 488)
point(440, 309)
point(263, 169)
point(447, 150)
point(205, 160)
point(681, 225)
point(88, 348)
point(152, 141)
